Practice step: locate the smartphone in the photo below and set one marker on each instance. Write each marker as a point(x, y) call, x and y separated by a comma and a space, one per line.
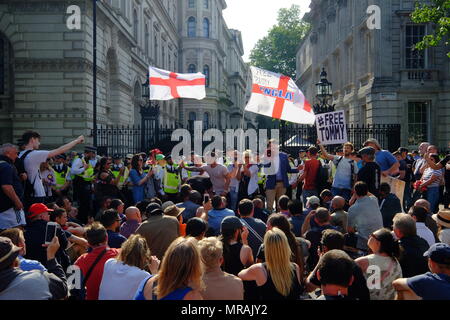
point(50, 232)
point(269, 153)
point(206, 198)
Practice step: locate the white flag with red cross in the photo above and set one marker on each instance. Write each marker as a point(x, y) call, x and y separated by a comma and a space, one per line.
point(166, 85)
point(277, 96)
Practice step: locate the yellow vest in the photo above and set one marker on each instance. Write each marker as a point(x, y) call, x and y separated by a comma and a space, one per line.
point(88, 174)
point(61, 178)
point(261, 177)
point(171, 181)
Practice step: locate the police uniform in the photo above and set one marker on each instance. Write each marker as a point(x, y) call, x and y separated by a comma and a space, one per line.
point(62, 176)
point(171, 181)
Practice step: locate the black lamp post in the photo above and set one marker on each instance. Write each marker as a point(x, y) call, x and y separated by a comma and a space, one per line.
point(324, 93)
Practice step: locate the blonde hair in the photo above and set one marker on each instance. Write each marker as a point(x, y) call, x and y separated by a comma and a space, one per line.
point(180, 267)
point(278, 260)
point(135, 252)
point(211, 250)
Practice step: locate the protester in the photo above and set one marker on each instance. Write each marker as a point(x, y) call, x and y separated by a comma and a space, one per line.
point(442, 218)
point(430, 182)
point(419, 214)
point(123, 275)
point(297, 217)
point(259, 211)
point(111, 221)
point(346, 170)
point(429, 221)
point(138, 178)
point(388, 164)
point(218, 213)
point(174, 211)
point(412, 247)
point(389, 204)
point(180, 275)
point(434, 285)
point(17, 284)
point(133, 221)
point(92, 264)
point(11, 189)
point(309, 175)
point(247, 175)
point(326, 196)
point(256, 227)
point(370, 173)
point(159, 230)
point(219, 285)
point(283, 202)
point(190, 203)
point(236, 252)
point(72, 212)
point(277, 278)
point(385, 251)
point(364, 216)
point(339, 217)
point(335, 273)
point(196, 228)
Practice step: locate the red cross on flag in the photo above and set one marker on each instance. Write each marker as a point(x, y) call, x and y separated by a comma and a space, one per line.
point(166, 85)
point(277, 96)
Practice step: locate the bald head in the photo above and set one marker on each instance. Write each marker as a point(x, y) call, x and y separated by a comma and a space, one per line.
point(423, 203)
point(338, 203)
point(133, 213)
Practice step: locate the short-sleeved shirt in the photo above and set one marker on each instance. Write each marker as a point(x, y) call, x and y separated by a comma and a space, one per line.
point(215, 218)
point(311, 168)
point(8, 176)
point(217, 176)
point(385, 159)
point(428, 173)
point(32, 163)
point(365, 217)
point(343, 176)
point(430, 286)
point(115, 239)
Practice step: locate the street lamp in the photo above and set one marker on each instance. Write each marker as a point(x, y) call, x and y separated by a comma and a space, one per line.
point(324, 93)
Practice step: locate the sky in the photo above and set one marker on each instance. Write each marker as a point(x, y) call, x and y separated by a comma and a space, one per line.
point(254, 18)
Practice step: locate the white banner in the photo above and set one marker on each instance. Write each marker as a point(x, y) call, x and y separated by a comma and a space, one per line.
point(331, 128)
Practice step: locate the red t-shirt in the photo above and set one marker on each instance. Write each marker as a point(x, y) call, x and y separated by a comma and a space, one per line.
point(85, 262)
point(311, 168)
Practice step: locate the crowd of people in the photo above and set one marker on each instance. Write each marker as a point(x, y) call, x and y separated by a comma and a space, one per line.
point(225, 226)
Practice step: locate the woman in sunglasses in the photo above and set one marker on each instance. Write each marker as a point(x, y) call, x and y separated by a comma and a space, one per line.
point(138, 177)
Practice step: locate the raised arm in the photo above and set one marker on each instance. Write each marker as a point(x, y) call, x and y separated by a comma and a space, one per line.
point(324, 151)
point(65, 148)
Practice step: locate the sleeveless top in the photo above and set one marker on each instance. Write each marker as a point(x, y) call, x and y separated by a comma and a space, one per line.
point(390, 270)
point(232, 259)
point(269, 292)
point(177, 294)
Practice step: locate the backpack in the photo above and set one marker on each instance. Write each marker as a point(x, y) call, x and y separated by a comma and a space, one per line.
point(28, 187)
point(352, 170)
point(321, 178)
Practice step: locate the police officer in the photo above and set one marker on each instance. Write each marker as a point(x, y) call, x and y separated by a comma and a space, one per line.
point(62, 176)
point(83, 171)
point(171, 180)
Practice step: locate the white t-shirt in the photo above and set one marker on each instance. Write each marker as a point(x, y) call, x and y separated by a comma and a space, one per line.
point(120, 281)
point(32, 163)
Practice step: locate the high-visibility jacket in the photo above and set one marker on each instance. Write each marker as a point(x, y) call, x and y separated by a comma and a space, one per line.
point(88, 174)
point(261, 177)
point(116, 171)
point(61, 176)
point(171, 180)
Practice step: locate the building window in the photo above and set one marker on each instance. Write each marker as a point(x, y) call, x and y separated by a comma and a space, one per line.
point(192, 26)
point(415, 59)
point(192, 68)
point(417, 122)
point(191, 4)
point(206, 4)
point(135, 24)
point(206, 27)
point(147, 40)
point(206, 120)
point(206, 73)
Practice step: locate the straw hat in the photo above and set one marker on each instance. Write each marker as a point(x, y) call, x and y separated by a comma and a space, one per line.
point(442, 218)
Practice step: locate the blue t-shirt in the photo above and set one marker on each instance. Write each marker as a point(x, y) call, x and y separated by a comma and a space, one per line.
point(115, 239)
point(430, 286)
point(215, 218)
point(30, 265)
point(385, 159)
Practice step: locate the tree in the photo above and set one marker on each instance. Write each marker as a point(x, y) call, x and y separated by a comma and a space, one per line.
point(278, 50)
point(438, 13)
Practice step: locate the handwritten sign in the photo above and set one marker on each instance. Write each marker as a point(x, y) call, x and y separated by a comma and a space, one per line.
point(331, 127)
point(397, 186)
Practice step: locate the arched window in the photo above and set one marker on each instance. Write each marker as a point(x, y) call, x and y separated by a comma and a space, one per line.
point(191, 4)
point(147, 40)
point(206, 120)
point(206, 4)
point(135, 24)
point(206, 73)
point(192, 68)
point(206, 27)
point(192, 116)
point(192, 26)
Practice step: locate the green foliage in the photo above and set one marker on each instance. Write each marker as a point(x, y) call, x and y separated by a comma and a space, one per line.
point(277, 51)
point(438, 12)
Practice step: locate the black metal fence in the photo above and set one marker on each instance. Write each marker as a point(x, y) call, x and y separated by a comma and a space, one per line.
point(133, 139)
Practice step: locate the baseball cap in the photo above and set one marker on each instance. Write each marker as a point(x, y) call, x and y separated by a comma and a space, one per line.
point(230, 223)
point(8, 252)
point(151, 207)
point(439, 253)
point(129, 156)
point(37, 209)
point(366, 151)
point(313, 200)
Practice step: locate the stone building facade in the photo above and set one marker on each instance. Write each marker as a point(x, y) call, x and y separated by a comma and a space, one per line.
point(377, 78)
point(46, 68)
